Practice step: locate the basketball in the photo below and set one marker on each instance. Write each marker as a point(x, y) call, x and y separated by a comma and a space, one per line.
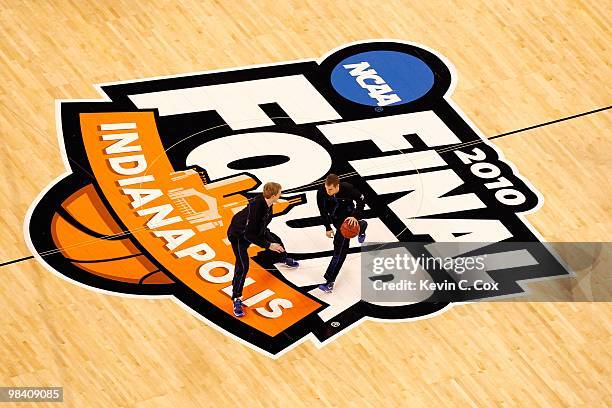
point(87, 235)
point(349, 231)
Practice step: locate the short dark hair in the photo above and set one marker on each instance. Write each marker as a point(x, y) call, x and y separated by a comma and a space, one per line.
point(332, 180)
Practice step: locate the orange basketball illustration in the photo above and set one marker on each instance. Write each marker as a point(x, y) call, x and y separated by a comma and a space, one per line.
point(86, 234)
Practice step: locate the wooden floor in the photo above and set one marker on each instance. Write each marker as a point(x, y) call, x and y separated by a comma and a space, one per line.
point(520, 63)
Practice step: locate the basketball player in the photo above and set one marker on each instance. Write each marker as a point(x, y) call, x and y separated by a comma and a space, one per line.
point(336, 202)
point(250, 226)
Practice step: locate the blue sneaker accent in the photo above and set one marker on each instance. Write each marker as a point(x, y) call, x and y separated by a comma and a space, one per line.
point(292, 263)
point(238, 310)
point(327, 287)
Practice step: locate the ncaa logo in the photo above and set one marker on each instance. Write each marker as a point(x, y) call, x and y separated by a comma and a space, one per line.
point(398, 78)
point(157, 169)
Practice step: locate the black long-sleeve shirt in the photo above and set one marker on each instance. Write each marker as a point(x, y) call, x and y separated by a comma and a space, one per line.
point(335, 209)
point(252, 222)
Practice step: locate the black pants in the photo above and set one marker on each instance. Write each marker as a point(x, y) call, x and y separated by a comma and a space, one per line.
point(341, 247)
point(241, 268)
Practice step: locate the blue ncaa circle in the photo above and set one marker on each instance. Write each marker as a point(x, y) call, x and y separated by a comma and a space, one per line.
point(408, 77)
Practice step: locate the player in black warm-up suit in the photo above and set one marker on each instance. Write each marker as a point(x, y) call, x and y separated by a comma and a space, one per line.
point(250, 226)
point(336, 202)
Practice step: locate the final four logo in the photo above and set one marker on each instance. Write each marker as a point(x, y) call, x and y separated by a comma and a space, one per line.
point(157, 170)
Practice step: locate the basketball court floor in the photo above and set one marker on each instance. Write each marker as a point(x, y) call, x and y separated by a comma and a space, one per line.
point(518, 65)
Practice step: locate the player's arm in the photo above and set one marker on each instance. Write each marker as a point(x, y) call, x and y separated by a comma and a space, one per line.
point(359, 199)
point(325, 218)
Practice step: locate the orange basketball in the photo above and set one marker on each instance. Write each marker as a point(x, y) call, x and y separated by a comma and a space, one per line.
point(348, 231)
point(88, 236)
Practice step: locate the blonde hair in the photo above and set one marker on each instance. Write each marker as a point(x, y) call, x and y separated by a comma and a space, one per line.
point(270, 189)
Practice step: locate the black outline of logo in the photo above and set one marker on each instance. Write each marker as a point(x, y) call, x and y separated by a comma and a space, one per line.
point(312, 327)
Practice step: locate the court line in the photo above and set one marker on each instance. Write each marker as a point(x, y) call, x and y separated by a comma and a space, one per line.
point(17, 260)
point(551, 122)
point(25, 258)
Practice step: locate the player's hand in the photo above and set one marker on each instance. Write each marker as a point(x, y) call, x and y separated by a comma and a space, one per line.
point(352, 221)
point(330, 234)
point(276, 247)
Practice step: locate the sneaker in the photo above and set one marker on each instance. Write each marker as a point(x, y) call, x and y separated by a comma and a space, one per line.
point(292, 263)
point(238, 310)
point(362, 236)
point(327, 287)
